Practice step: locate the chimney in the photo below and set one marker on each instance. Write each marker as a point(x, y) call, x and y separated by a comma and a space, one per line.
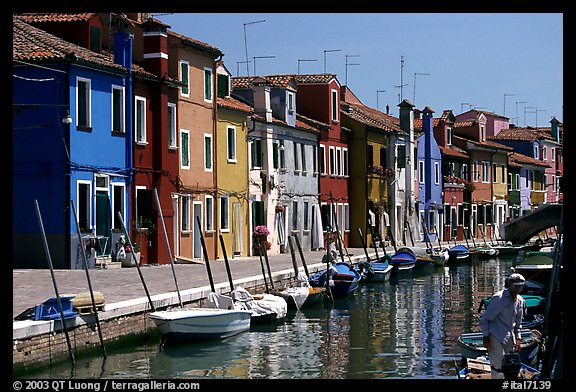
point(555, 129)
point(155, 40)
point(406, 116)
point(428, 128)
point(122, 44)
point(261, 92)
point(387, 109)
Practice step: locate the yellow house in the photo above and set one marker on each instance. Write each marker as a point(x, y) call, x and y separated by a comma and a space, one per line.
point(232, 169)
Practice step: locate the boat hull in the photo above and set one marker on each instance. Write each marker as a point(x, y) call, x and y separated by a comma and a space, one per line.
point(374, 271)
point(345, 280)
point(403, 262)
point(201, 324)
point(471, 345)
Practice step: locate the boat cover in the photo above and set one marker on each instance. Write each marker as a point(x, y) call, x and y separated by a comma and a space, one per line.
point(269, 303)
point(299, 293)
point(219, 301)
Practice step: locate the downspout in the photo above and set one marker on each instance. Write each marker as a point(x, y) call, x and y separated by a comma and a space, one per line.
point(128, 99)
point(215, 141)
point(68, 192)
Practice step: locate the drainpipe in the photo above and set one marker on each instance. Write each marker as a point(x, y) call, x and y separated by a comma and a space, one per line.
point(215, 139)
point(67, 170)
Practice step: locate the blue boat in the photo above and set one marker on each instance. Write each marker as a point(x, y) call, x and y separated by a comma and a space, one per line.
point(403, 262)
point(458, 253)
point(344, 277)
point(375, 271)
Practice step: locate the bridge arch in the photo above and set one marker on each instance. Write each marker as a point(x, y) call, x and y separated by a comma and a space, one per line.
point(521, 229)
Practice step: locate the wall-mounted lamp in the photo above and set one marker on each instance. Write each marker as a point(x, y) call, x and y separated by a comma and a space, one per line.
point(67, 118)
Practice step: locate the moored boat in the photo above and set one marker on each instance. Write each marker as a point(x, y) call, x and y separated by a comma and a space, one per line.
point(458, 253)
point(374, 271)
point(343, 279)
point(200, 323)
point(403, 261)
point(537, 268)
point(479, 368)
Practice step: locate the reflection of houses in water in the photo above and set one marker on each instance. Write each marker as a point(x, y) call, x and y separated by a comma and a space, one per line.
point(336, 343)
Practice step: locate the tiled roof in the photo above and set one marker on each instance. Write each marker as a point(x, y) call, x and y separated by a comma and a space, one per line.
point(487, 143)
point(245, 82)
point(32, 44)
point(518, 160)
point(195, 43)
point(465, 123)
point(312, 122)
point(478, 112)
point(525, 134)
point(314, 78)
point(234, 104)
point(454, 151)
point(55, 17)
point(369, 116)
point(418, 123)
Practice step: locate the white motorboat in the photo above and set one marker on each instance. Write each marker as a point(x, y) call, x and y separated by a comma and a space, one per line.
point(201, 323)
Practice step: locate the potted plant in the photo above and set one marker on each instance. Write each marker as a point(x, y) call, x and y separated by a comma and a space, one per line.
point(130, 261)
point(260, 236)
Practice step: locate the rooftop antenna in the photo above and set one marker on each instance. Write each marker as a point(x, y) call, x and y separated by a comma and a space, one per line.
point(246, 42)
point(528, 107)
point(462, 106)
point(238, 66)
point(299, 60)
point(328, 51)
point(401, 77)
point(506, 95)
point(517, 102)
point(415, 74)
point(538, 110)
point(347, 64)
point(377, 93)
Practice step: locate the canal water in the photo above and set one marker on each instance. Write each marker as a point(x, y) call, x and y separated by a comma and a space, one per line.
point(404, 328)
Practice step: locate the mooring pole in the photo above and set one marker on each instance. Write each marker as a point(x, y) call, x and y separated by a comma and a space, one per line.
point(49, 259)
point(88, 279)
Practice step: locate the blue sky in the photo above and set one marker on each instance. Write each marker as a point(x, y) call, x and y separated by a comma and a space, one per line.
point(488, 61)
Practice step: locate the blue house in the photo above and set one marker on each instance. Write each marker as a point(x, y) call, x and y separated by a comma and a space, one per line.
point(71, 134)
point(429, 171)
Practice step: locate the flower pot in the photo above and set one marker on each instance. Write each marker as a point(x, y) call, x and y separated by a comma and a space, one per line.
point(129, 260)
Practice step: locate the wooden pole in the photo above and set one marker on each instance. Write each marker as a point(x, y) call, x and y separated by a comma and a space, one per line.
point(94, 309)
point(363, 244)
point(301, 256)
point(226, 261)
point(137, 264)
point(293, 256)
point(373, 243)
point(168, 245)
point(393, 240)
point(207, 262)
point(260, 251)
point(340, 242)
point(49, 259)
point(263, 247)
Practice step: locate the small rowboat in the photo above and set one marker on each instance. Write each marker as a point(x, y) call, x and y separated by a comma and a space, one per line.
point(344, 277)
point(403, 261)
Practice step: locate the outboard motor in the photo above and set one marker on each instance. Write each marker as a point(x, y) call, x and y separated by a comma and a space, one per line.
point(511, 366)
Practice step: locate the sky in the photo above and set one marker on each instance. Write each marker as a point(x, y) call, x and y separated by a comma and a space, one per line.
point(507, 63)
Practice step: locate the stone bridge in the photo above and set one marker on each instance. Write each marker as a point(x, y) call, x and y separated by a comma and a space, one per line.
point(520, 230)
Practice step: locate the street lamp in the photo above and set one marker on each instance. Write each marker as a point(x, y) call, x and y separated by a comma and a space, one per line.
point(246, 42)
point(327, 51)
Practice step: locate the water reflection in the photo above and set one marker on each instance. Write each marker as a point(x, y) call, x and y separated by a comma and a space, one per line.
point(405, 328)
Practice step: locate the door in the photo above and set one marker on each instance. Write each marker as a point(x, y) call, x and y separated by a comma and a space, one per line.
point(103, 223)
point(196, 243)
point(237, 237)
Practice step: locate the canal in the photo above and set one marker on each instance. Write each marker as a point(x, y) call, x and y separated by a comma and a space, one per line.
point(404, 328)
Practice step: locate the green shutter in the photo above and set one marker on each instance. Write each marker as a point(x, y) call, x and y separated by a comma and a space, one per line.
point(95, 39)
point(207, 84)
point(222, 86)
point(184, 71)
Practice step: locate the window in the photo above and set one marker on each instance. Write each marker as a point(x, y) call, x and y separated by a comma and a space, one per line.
point(437, 173)
point(209, 213)
point(118, 109)
point(485, 171)
point(536, 155)
point(339, 161)
point(303, 157)
point(476, 171)
point(185, 214)
point(231, 143)
point(305, 217)
point(140, 120)
point(464, 172)
point(553, 152)
point(296, 148)
point(83, 104)
point(345, 162)
point(331, 162)
point(510, 179)
point(517, 182)
point(335, 105)
point(494, 172)
point(421, 172)
point(322, 159)
point(346, 217)
point(401, 156)
point(84, 204)
point(503, 169)
point(294, 215)
point(449, 136)
point(223, 86)
point(118, 204)
point(290, 103)
point(544, 154)
point(282, 155)
point(172, 125)
point(482, 133)
point(207, 84)
point(207, 152)
point(256, 153)
point(370, 157)
point(184, 78)
point(315, 159)
point(185, 149)
point(95, 34)
point(144, 210)
point(383, 157)
point(224, 213)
